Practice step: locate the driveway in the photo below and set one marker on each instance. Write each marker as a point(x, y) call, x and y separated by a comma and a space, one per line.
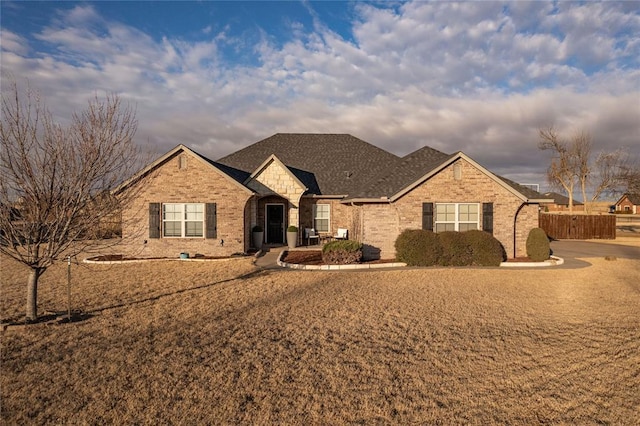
point(570, 250)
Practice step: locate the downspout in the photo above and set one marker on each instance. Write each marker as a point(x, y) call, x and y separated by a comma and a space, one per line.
point(515, 220)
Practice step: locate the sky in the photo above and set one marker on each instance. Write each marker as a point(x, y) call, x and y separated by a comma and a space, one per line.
point(478, 77)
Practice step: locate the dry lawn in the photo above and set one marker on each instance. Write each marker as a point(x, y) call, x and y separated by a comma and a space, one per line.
point(186, 343)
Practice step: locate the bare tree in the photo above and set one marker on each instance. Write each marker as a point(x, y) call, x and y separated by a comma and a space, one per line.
point(630, 177)
point(572, 162)
point(563, 169)
point(56, 181)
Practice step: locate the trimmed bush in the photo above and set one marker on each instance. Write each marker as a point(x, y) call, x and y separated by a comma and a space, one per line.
point(486, 250)
point(292, 228)
point(342, 252)
point(418, 247)
point(455, 249)
point(538, 245)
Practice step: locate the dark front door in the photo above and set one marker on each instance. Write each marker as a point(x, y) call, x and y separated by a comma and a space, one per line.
point(275, 224)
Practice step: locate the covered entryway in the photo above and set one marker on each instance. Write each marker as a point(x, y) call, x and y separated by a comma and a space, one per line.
point(274, 223)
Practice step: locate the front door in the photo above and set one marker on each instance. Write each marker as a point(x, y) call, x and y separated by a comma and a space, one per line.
point(275, 223)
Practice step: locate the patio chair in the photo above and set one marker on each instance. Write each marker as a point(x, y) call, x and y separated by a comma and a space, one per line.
point(310, 234)
point(342, 234)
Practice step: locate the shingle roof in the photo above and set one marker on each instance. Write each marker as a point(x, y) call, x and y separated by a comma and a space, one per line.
point(560, 199)
point(402, 173)
point(635, 199)
point(341, 164)
point(531, 194)
point(328, 164)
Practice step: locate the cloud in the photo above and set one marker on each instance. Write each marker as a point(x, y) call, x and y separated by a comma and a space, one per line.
point(476, 77)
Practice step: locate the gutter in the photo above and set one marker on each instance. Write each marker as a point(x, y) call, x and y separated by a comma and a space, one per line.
point(515, 220)
point(367, 200)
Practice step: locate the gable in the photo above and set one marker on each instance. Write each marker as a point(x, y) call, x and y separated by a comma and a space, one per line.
point(632, 199)
point(420, 166)
point(273, 177)
point(187, 155)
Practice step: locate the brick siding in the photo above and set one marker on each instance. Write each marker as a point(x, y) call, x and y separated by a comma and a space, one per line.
point(382, 223)
point(196, 182)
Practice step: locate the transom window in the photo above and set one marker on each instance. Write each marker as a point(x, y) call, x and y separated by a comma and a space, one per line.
point(321, 217)
point(457, 217)
point(183, 220)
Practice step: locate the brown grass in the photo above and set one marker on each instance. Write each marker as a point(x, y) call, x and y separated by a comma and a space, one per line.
point(185, 343)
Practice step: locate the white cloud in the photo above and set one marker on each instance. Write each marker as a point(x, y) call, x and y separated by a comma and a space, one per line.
point(12, 42)
point(439, 74)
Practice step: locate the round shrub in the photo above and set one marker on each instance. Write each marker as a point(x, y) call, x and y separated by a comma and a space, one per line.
point(486, 250)
point(455, 249)
point(417, 247)
point(342, 252)
point(538, 245)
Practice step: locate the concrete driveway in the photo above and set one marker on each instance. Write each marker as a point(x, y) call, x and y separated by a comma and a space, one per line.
point(570, 250)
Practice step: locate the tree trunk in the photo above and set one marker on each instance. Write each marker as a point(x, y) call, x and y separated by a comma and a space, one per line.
point(32, 294)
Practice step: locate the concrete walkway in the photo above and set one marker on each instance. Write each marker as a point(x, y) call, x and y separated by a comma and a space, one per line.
point(268, 258)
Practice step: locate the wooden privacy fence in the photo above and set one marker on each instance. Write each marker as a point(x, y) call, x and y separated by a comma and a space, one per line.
point(578, 227)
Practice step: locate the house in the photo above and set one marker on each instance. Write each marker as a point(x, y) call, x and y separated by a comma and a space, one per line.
point(628, 203)
point(325, 182)
point(560, 203)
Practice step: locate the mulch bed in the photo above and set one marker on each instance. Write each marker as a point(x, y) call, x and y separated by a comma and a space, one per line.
point(314, 257)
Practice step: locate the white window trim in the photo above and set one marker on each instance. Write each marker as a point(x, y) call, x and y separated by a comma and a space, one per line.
point(183, 220)
point(456, 220)
point(315, 213)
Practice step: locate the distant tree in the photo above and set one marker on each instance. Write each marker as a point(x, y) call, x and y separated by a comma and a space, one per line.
point(630, 177)
point(56, 181)
point(563, 169)
point(572, 163)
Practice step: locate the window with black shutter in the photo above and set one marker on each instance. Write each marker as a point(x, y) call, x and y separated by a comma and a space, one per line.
point(212, 221)
point(427, 216)
point(154, 220)
point(487, 217)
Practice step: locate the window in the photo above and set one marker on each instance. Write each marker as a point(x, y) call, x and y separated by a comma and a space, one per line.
point(183, 220)
point(321, 217)
point(457, 217)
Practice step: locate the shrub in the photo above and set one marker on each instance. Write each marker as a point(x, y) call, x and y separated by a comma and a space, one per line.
point(486, 250)
point(292, 228)
point(538, 245)
point(456, 251)
point(257, 228)
point(342, 252)
point(417, 247)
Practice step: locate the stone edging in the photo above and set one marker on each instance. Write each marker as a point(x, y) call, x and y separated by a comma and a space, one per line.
point(337, 267)
point(551, 262)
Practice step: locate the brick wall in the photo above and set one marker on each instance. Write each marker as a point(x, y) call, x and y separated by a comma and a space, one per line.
point(340, 215)
point(384, 222)
point(194, 182)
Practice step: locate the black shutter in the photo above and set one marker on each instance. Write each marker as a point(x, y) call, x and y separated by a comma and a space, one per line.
point(487, 217)
point(212, 221)
point(427, 216)
point(154, 220)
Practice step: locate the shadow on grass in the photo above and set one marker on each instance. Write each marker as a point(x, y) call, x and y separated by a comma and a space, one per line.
point(50, 318)
point(262, 272)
